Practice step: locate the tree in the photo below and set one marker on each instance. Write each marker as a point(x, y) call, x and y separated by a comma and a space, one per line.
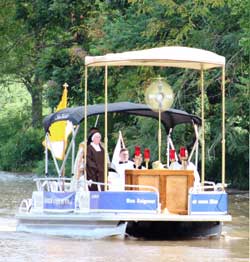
point(45, 42)
point(219, 26)
point(40, 42)
point(18, 56)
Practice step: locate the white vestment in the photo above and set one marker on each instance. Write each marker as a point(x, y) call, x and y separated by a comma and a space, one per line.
point(117, 180)
point(191, 166)
point(175, 166)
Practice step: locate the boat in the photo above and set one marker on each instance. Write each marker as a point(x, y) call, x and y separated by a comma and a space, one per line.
point(155, 202)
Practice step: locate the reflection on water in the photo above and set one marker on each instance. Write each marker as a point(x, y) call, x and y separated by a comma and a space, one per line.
point(16, 246)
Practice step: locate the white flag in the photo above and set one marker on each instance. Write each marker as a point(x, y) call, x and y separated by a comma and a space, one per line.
point(118, 147)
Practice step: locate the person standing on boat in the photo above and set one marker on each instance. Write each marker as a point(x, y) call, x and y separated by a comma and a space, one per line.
point(124, 162)
point(95, 159)
point(117, 180)
point(188, 165)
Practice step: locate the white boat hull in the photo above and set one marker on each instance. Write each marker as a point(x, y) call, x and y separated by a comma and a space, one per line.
point(101, 225)
point(100, 214)
point(72, 226)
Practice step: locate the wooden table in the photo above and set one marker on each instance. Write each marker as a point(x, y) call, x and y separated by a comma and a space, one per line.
point(173, 186)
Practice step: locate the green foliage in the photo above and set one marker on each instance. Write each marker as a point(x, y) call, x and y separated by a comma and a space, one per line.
point(238, 133)
point(44, 43)
point(40, 167)
point(20, 144)
point(21, 152)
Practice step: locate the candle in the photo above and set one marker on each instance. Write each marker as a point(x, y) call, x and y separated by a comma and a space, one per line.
point(146, 154)
point(183, 152)
point(137, 151)
point(172, 154)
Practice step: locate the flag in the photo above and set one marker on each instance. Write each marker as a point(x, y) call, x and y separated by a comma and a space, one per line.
point(59, 131)
point(119, 145)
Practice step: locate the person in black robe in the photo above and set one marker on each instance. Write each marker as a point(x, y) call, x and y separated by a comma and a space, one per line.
point(95, 159)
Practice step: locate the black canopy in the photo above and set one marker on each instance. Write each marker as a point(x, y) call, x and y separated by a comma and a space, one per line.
point(170, 118)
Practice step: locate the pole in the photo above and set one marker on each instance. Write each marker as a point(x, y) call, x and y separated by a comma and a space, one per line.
point(73, 152)
point(106, 129)
point(85, 122)
point(159, 136)
point(203, 129)
point(168, 137)
point(53, 155)
point(223, 141)
point(46, 156)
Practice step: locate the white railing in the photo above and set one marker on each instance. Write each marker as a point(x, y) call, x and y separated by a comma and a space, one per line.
point(53, 184)
point(25, 205)
point(151, 188)
point(208, 186)
point(65, 185)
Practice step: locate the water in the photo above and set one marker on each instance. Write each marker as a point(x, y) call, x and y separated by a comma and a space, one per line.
point(22, 247)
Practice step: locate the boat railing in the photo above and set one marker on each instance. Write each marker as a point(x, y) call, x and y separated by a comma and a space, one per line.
point(53, 184)
point(81, 193)
point(208, 186)
point(150, 188)
point(25, 205)
point(100, 185)
point(64, 184)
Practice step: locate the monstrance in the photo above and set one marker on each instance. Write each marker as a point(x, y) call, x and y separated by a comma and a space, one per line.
point(159, 96)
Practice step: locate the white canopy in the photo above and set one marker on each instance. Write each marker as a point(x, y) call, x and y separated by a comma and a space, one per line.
point(169, 56)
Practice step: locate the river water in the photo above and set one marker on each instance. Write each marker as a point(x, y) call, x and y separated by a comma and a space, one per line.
point(21, 247)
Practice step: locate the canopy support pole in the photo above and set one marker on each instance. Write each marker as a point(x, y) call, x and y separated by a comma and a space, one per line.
point(53, 155)
point(203, 129)
point(46, 158)
point(168, 146)
point(70, 147)
point(85, 122)
point(106, 129)
point(159, 136)
point(73, 149)
point(223, 162)
point(196, 145)
point(172, 144)
point(194, 148)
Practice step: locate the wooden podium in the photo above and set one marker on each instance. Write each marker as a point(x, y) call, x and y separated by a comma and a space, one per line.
point(173, 186)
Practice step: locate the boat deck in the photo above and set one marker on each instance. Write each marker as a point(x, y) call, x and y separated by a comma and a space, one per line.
point(122, 217)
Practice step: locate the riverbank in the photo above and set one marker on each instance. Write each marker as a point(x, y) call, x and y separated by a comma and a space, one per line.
point(235, 191)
